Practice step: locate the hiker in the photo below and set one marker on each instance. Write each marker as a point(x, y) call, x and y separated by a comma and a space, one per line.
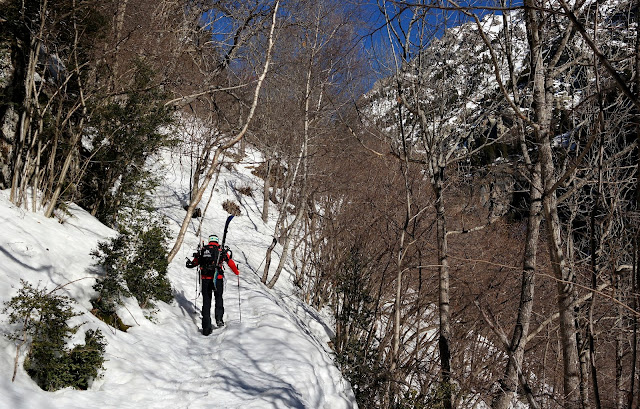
point(212, 280)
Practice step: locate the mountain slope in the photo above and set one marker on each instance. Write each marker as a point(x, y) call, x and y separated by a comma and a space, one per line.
point(273, 352)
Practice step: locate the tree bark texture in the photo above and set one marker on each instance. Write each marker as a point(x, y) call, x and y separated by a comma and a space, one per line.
point(509, 383)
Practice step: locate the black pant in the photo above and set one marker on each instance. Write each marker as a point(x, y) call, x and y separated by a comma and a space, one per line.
point(209, 289)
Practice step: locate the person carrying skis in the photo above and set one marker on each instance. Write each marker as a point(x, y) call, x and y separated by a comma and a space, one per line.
point(210, 259)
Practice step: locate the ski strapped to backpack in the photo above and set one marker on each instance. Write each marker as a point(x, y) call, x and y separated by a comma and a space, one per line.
point(224, 238)
point(223, 248)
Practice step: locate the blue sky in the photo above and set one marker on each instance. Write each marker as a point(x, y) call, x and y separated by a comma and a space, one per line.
point(375, 40)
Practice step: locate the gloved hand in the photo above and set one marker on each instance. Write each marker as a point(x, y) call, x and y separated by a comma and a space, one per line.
point(189, 264)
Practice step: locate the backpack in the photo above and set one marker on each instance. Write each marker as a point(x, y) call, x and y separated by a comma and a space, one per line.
point(207, 257)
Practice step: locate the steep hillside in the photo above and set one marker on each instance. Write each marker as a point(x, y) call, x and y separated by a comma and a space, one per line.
point(272, 353)
point(529, 153)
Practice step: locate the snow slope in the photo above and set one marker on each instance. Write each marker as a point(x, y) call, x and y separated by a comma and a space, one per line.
point(272, 354)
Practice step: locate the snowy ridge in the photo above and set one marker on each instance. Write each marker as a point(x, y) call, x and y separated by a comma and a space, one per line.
point(275, 357)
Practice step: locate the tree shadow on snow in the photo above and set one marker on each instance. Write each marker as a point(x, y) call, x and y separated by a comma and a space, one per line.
point(21, 263)
point(254, 379)
point(187, 306)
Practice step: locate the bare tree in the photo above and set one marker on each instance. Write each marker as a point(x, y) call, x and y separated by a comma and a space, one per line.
point(57, 85)
point(198, 191)
point(436, 123)
point(322, 33)
point(547, 67)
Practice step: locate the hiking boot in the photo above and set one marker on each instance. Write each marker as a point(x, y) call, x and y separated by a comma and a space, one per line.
point(220, 323)
point(207, 331)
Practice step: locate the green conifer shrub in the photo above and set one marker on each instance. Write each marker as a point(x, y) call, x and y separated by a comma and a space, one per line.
point(356, 358)
point(45, 329)
point(134, 264)
point(126, 131)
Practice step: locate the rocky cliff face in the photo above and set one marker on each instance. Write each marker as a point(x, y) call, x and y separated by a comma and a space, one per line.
point(503, 191)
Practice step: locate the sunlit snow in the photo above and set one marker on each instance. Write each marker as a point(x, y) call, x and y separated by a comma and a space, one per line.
point(273, 353)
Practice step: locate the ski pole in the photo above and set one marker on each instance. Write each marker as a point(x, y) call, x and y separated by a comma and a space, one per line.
point(195, 299)
point(239, 308)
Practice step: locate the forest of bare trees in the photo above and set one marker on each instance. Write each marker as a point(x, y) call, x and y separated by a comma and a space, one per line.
point(456, 182)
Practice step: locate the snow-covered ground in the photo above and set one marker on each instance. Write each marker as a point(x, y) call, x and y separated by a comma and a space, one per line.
point(273, 353)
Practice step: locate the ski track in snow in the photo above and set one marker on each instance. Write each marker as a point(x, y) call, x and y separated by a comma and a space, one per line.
point(276, 357)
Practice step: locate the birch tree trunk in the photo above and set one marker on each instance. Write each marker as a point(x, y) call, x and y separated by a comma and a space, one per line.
point(564, 277)
point(267, 191)
point(20, 163)
point(513, 371)
point(444, 313)
point(279, 227)
point(543, 101)
point(509, 382)
point(303, 161)
point(286, 245)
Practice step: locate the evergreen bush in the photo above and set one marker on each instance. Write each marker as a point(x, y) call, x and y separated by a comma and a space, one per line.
point(355, 315)
point(127, 131)
point(134, 264)
point(50, 363)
